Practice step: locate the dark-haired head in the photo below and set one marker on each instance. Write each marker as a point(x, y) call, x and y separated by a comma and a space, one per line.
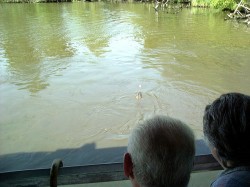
point(226, 126)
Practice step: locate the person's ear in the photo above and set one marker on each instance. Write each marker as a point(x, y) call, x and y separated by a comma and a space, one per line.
point(215, 154)
point(128, 165)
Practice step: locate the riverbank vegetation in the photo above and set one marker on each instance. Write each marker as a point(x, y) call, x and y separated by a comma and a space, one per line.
point(219, 4)
point(225, 5)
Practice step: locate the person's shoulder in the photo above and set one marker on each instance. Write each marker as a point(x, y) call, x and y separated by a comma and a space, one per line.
point(237, 177)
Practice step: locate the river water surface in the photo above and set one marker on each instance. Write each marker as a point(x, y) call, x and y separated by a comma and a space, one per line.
point(69, 72)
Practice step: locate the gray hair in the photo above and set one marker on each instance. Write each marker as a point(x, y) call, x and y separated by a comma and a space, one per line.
point(162, 151)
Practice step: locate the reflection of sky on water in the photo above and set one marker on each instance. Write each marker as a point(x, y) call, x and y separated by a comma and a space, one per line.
point(3, 64)
point(124, 47)
point(106, 33)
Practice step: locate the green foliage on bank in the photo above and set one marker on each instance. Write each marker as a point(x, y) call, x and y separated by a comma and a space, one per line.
point(36, 1)
point(224, 4)
point(218, 4)
point(201, 3)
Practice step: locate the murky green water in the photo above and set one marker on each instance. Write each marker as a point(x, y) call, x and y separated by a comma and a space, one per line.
point(70, 71)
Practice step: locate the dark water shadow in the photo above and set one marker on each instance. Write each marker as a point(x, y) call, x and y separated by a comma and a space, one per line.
point(85, 155)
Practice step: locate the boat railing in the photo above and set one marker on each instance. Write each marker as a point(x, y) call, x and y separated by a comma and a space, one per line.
point(59, 175)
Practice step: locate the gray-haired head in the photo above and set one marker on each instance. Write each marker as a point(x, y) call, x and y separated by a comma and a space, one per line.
point(162, 151)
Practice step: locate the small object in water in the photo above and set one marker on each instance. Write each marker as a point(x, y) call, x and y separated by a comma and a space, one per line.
point(138, 95)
